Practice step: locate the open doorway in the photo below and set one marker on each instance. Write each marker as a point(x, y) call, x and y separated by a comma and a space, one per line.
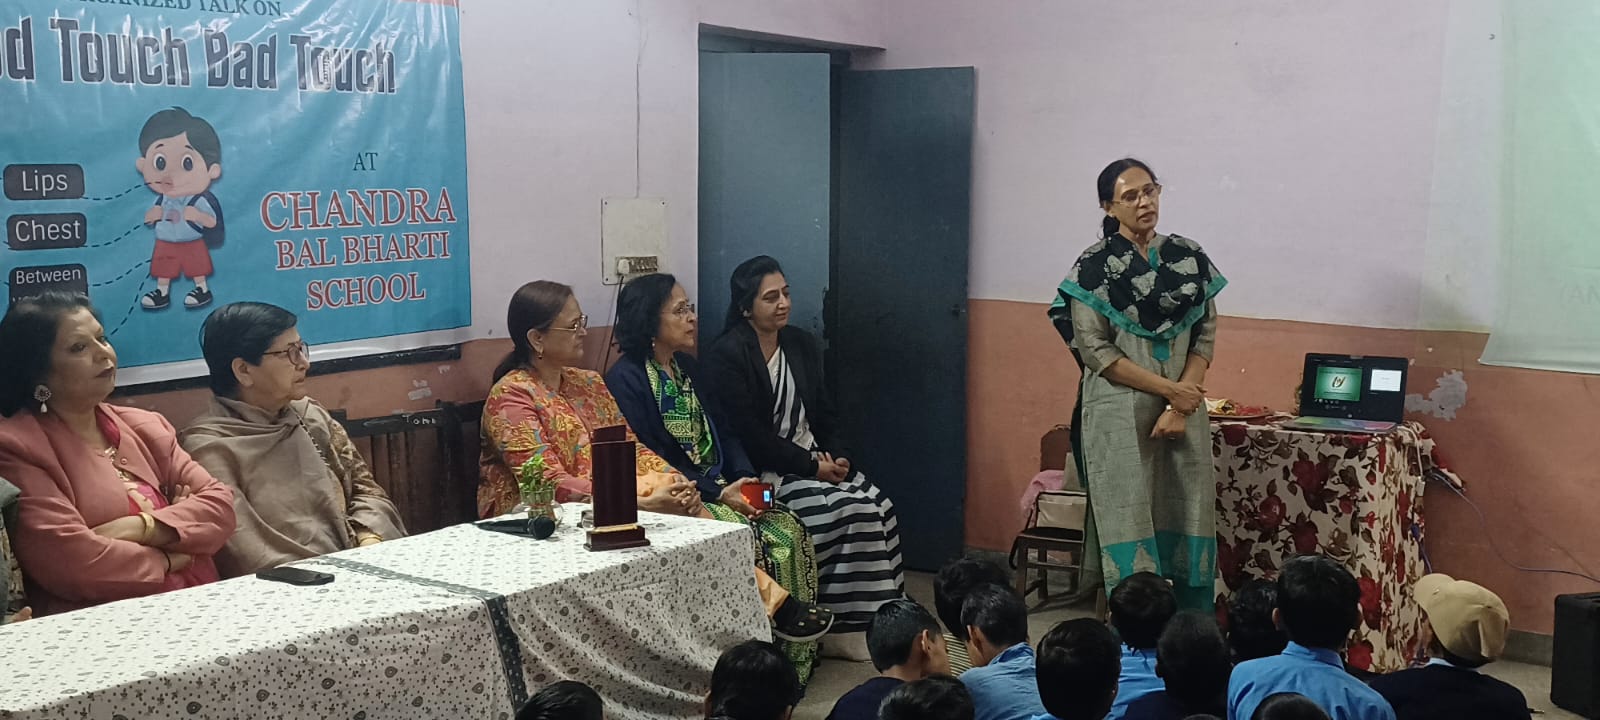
point(858, 182)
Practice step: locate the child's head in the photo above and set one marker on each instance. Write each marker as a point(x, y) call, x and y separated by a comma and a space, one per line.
point(1140, 607)
point(179, 154)
point(1251, 632)
point(1467, 622)
point(1076, 666)
point(903, 633)
point(996, 618)
point(1193, 661)
point(955, 581)
point(1319, 602)
point(936, 697)
point(753, 681)
point(1289, 706)
point(565, 700)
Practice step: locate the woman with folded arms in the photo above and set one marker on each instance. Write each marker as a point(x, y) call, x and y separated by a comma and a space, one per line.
point(300, 487)
point(111, 506)
point(544, 404)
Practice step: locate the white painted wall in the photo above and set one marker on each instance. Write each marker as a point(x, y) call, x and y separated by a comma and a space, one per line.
point(1461, 273)
point(565, 98)
point(1313, 148)
point(1339, 160)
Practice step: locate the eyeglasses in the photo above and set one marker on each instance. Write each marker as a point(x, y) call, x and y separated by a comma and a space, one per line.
point(581, 325)
point(297, 353)
point(1132, 197)
point(681, 311)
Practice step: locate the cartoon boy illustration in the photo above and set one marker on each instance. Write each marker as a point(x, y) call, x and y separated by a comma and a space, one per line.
point(180, 156)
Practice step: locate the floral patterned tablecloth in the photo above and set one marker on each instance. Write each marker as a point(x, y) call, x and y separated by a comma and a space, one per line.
point(1355, 498)
point(461, 622)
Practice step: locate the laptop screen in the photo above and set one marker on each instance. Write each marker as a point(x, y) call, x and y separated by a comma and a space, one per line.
point(1352, 386)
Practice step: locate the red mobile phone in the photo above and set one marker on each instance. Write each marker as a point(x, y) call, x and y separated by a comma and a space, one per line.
point(758, 494)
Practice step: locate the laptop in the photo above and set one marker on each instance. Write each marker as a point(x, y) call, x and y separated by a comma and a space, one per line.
point(1351, 393)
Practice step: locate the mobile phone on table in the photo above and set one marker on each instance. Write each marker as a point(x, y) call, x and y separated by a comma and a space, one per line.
point(758, 494)
point(294, 575)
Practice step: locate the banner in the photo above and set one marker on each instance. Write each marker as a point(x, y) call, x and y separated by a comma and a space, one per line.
point(171, 156)
point(1548, 313)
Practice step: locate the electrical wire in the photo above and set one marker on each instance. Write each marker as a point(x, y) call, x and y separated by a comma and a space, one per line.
point(1483, 522)
point(611, 329)
point(1416, 528)
point(638, 101)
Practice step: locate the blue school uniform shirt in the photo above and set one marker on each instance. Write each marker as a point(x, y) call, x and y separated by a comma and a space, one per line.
point(1137, 679)
point(1006, 688)
point(1316, 673)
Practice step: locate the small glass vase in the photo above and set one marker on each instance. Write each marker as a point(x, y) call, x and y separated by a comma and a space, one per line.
point(542, 502)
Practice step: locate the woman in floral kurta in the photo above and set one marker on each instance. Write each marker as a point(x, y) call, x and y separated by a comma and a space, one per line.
point(522, 418)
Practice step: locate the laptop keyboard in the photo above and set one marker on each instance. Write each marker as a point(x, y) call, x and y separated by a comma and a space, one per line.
point(1344, 424)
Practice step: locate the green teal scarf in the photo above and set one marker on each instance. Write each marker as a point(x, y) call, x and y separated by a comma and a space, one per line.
point(1156, 297)
point(682, 413)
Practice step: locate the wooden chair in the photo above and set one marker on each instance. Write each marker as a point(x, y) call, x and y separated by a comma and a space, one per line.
point(1044, 549)
point(424, 461)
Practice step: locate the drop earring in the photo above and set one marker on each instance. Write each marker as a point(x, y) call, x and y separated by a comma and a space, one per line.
point(42, 394)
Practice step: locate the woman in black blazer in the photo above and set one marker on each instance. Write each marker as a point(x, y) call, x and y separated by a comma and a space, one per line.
point(767, 378)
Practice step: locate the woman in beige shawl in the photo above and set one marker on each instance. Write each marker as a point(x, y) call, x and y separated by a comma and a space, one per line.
point(300, 488)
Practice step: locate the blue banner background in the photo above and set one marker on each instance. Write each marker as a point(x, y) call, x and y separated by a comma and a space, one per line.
point(280, 140)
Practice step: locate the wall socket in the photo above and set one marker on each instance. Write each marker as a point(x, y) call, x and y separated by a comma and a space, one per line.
point(635, 265)
point(633, 238)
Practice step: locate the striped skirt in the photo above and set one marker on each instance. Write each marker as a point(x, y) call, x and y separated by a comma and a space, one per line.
point(858, 545)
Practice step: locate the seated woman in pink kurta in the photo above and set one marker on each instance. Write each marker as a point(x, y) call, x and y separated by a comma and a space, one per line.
point(111, 506)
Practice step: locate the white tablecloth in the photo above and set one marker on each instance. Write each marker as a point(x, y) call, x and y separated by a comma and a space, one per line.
point(462, 622)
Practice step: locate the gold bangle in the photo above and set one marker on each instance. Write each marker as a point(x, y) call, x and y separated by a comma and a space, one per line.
point(149, 528)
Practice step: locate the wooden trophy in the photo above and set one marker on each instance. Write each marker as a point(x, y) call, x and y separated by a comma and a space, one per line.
point(616, 502)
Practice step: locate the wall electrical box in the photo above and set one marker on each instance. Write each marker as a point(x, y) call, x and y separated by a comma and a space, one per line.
point(633, 238)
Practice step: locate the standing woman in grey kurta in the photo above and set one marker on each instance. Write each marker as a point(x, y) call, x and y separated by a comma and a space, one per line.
point(1137, 312)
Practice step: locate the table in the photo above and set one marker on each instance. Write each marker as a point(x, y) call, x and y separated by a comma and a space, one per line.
point(462, 622)
point(1355, 498)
